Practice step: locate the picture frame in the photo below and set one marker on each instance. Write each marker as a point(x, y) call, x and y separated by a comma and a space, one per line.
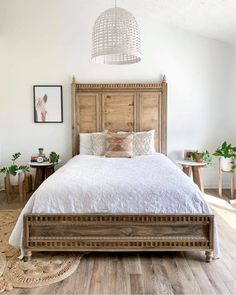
point(188, 154)
point(48, 103)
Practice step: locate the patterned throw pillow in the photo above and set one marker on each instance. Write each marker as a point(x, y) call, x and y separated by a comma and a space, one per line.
point(144, 143)
point(98, 143)
point(119, 145)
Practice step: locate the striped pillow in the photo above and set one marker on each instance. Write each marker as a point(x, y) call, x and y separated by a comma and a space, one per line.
point(119, 145)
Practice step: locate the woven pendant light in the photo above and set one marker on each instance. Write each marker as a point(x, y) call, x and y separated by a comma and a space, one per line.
point(116, 38)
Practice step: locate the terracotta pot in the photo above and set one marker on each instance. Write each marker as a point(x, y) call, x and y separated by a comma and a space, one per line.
point(198, 158)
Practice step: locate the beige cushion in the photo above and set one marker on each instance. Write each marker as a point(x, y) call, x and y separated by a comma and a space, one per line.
point(143, 142)
point(119, 145)
point(98, 140)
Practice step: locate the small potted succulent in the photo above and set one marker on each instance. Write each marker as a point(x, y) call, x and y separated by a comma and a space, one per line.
point(202, 157)
point(227, 154)
point(54, 158)
point(14, 170)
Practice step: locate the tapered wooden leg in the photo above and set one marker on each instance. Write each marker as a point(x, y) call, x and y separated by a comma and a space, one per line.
point(220, 181)
point(49, 171)
point(21, 186)
point(39, 177)
point(187, 170)
point(197, 178)
point(8, 188)
point(28, 255)
point(232, 185)
point(209, 256)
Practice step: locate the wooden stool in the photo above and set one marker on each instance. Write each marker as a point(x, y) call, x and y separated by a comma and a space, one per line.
point(43, 171)
point(232, 182)
point(193, 168)
point(20, 190)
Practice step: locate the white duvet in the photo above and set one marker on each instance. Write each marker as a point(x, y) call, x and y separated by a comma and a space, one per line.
point(89, 184)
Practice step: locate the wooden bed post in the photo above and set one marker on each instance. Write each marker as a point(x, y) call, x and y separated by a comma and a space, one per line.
point(164, 116)
point(209, 256)
point(73, 115)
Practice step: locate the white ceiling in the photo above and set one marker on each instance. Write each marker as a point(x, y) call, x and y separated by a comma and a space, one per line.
point(212, 18)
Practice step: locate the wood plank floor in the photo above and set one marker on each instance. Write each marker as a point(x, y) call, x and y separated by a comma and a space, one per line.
point(155, 273)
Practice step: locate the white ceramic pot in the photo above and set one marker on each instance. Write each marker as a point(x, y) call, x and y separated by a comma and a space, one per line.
point(226, 163)
point(14, 178)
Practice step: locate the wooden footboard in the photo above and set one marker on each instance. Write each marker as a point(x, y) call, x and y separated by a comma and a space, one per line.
point(118, 232)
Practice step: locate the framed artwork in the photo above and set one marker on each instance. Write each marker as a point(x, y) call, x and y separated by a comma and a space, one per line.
point(48, 104)
point(188, 154)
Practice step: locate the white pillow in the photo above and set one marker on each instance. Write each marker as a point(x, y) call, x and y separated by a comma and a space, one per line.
point(85, 144)
point(144, 143)
point(98, 143)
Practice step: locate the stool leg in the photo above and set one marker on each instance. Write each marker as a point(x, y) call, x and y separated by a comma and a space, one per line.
point(8, 188)
point(21, 186)
point(220, 182)
point(49, 171)
point(232, 185)
point(187, 170)
point(38, 177)
point(197, 178)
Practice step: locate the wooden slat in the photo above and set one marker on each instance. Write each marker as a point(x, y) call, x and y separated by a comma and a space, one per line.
point(150, 114)
point(119, 111)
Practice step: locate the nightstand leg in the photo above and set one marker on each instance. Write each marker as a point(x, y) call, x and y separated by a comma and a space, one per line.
point(49, 171)
point(39, 177)
point(187, 170)
point(197, 178)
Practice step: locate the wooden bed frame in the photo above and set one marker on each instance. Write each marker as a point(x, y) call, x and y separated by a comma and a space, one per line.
point(116, 107)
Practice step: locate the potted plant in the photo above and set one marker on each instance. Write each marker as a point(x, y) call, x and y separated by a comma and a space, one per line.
point(227, 154)
point(202, 157)
point(54, 158)
point(14, 170)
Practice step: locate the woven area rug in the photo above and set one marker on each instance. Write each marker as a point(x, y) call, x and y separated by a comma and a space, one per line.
point(44, 268)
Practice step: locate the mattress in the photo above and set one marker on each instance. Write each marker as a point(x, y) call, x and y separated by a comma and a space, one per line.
point(92, 184)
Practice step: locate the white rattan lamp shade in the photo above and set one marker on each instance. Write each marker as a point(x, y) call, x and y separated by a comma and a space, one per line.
point(116, 38)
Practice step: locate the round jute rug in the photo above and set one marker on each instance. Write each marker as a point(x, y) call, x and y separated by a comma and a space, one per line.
point(3, 263)
point(7, 222)
point(44, 268)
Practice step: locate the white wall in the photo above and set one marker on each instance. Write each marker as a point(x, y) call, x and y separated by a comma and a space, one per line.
point(233, 102)
point(46, 42)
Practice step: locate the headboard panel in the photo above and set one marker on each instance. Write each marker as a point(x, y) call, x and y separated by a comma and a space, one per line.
point(119, 107)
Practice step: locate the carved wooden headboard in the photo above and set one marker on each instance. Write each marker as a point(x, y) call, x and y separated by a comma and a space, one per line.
point(119, 107)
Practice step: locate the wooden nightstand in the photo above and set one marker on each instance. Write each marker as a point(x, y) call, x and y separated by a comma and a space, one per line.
point(193, 168)
point(43, 171)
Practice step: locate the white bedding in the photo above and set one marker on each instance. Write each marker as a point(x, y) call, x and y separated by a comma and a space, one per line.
point(89, 184)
